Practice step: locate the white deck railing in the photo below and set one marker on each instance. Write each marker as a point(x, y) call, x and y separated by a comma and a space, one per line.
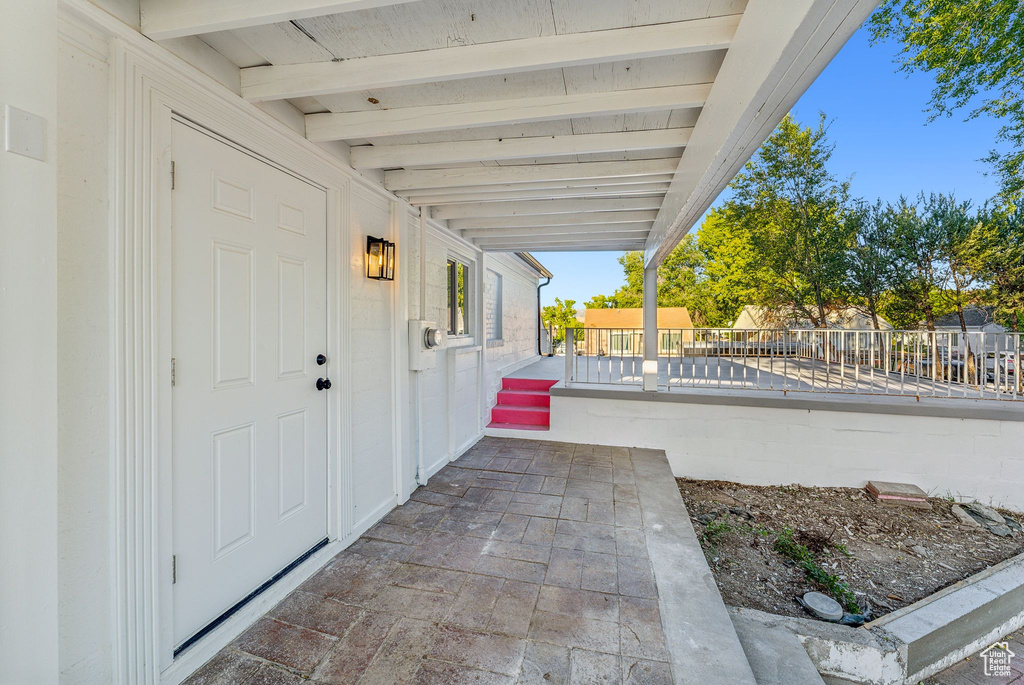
point(917, 363)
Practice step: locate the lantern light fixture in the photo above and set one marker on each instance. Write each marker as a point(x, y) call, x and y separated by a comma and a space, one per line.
point(380, 259)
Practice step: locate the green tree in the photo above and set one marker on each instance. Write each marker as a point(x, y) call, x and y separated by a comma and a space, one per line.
point(998, 242)
point(975, 50)
point(731, 275)
point(561, 315)
point(677, 279)
point(870, 261)
point(795, 211)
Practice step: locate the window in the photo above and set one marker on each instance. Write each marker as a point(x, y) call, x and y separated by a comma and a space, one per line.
point(671, 342)
point(458, 300)
point(621, 342)
point(492, 306)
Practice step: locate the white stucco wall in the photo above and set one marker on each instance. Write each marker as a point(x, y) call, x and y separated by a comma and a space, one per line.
point(971, 458)
point(28, 352)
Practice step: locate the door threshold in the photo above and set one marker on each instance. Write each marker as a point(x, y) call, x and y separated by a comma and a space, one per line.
point(212, 625)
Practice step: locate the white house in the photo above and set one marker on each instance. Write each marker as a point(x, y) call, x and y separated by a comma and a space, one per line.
point(202, 387)
point(850, 318)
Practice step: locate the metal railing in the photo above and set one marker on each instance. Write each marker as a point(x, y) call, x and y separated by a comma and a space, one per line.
point(977, 365)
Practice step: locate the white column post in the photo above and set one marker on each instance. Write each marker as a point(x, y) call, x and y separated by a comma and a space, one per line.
point(650, 302)
point(570, 351)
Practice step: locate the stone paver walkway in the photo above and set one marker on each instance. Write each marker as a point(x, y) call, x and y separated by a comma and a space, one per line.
point(972, 671)
point(522, 562)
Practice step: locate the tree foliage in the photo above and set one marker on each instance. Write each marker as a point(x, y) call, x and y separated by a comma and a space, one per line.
point(792, 242)
point(561, 315)
point(975, 51)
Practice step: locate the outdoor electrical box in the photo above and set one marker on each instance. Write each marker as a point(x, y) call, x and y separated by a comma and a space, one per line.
point(425, 339)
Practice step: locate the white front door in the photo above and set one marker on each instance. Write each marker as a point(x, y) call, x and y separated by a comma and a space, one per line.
point(249, 424)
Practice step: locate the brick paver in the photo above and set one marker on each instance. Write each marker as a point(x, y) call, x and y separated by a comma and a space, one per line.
point(522, 562)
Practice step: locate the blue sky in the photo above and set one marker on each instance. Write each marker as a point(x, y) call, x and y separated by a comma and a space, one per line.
point(883, 141)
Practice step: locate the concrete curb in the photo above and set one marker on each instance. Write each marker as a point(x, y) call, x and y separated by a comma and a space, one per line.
point(908, 645)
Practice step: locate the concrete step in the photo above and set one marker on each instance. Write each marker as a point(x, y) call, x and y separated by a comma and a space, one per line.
point(774, 652)
point(524, 398)
point(517, 426)
point(537, 416)
point(535, 384)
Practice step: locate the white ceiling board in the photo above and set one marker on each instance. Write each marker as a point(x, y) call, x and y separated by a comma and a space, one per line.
point(166, 19)
point(513, 189)
point(452, 178)
point(572, 16)
point(575, 219)
point(589, 191)
point(282, 44)
point(535, 208)
point(578, 230)
point(479, 89)
point(349, 125)
point(555, 127)
point(650, 72)
point(636, 57)
point(596, 246)
point(541, 238)
point(430, 24)
point(229, 45)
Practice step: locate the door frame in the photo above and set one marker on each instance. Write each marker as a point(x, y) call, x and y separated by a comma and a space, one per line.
point(148, 86)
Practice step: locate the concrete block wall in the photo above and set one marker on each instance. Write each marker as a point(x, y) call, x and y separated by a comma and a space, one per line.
point(962, 457)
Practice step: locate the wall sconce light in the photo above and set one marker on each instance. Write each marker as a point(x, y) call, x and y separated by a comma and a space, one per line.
point(380, 259)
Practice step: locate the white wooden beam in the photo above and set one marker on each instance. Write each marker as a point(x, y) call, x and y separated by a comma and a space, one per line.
point(578, 230)
point(163, 19)
point(482, 210)
point(397, 181)
point(487, 59)
point(391, 122)
point(779, 48)
point(589, 191)
point(578, 219)
point(539, 185)
point(462, 151)
point(588, 246)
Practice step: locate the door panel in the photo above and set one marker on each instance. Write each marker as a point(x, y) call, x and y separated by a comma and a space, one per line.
point(249, 453)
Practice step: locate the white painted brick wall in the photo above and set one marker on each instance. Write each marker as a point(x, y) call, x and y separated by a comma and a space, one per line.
point(519, 320)
point(371, 362)
point(517, 346)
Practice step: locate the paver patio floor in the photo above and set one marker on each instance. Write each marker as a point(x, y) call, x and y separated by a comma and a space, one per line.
point(522, 562)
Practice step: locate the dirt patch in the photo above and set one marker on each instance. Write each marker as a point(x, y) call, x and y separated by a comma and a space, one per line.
point(887, 556)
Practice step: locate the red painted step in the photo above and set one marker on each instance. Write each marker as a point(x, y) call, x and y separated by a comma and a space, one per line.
point(524, 398)
point(526, 384)
point(538, 416)
point(523, 404)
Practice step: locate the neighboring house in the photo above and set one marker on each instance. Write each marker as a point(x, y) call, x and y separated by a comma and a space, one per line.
point(621, 331)
point(977, 319)
point(755, 317)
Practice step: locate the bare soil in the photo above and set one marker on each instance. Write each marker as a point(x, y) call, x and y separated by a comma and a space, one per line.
point(889, 555)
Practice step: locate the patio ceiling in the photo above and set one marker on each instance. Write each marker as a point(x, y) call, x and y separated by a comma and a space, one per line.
point(533, 124)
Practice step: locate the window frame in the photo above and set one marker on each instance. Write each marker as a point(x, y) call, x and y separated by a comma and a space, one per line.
point(451, 295)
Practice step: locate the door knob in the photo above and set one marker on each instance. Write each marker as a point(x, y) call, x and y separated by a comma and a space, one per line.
point(321, 360)
point(323, 383)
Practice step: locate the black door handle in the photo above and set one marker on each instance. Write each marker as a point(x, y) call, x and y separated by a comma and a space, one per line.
point(323, 383)
point(321, 360)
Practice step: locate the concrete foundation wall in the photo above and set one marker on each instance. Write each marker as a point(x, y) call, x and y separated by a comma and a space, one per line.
point(962, 457)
